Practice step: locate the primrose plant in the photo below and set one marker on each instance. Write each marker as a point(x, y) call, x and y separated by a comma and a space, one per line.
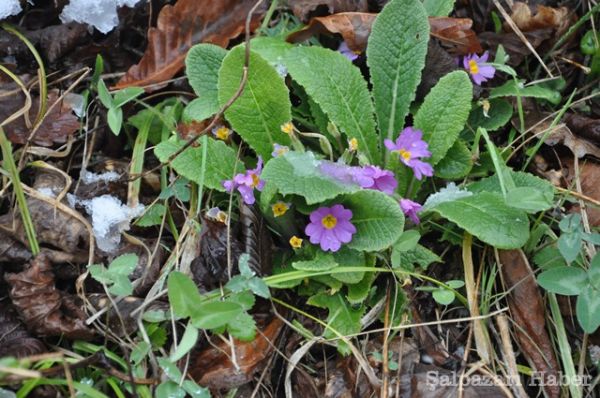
point(336, 173)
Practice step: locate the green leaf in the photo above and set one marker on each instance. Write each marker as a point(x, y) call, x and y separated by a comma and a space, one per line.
point(202, 66)
point(115, 119)
point(569, 244)
point(568, 281)
point(456, 164)
point(499, 114)
point(195, 391)
point(188, 341)
point(242, 327)
point(438, 8)
point(339, 88)
point(358, 292)
point(125, 95)
point(152, 216)
point(257, 115)
point(183, 294)
point(117, 274)
point(443, 296)
point(171, 370)
point(520, 179)
point(419, 256)
point(346, 257)
point(342, 317)
point(486, 216)
point(139, 352)
point(549, 257)
point(272, 49)
point(396, 55)
point(321, 262)
point(594, 272)
point(104, 95)
point(215, 314)
point(378, 219)
point(259, 287)
point(221, 161)
point(169, 389)
point(407, 241)
point(588, 310)
point(513, 88)
point(444, 113)
point(529, 199)
point(298, 173)
point(198, 109)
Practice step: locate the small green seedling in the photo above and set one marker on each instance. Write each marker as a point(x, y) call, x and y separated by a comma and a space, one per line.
point(117, 274)
point(115, 103)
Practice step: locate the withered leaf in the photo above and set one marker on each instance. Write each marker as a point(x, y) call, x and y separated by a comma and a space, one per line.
point(303, 8)
point(178, 28)
point(454, 33)
point(213, 368)
point(527, 309)
point(541, 18)
point(256, 239)
point(584, 126)
point(354, 27)
point(588, 175)
point(14, 339)
point(45, 310)
point(513, 45)
point(58, 124)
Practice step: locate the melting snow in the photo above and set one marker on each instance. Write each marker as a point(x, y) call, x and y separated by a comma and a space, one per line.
point(87, 177)
point(110, 217)
point(101, 14)
point(9, 7)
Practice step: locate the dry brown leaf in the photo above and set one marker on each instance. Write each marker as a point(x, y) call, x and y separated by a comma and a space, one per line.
point(456, 34)
point(561, 134)
point(213, 368)
point(58, 124)
point(589, 175)
point(527, 309)
point(544, 17)
point(45, 310)
point(181, 26)
point(15, 341)
point(354, 27)
point(513, 45)
point(304, 8)
point(584, 126)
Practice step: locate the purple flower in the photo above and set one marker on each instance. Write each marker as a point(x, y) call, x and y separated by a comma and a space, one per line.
point(339, 171)
point(373, 177)
point(347, 52)
point(410, 209)
point(279, 150)
point(410, 146)
point(330, 227)
point(246, 182)
point(475, 65)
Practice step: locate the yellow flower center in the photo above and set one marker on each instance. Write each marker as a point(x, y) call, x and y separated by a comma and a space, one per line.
point(353, 144)
point(222, 133)
point(255, 180)
point(473, 67)
point(329, 221)
point(296, 242)
point(404, 154)
point(287, 128)
point(282, 151)
point(279, 209)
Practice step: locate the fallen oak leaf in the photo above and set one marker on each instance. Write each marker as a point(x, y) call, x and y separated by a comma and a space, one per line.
point(544, 17)
point(15, 341)
point(178, 28)
point(455, 33)
point(303, 8)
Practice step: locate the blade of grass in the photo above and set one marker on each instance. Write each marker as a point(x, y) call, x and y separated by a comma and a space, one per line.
point(10, 166)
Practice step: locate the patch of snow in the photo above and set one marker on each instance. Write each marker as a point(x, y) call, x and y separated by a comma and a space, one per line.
point(110, 217)
point(101, 14)
point(9, 7)
point(448, 194)
point(47, 192)
point(87, 177)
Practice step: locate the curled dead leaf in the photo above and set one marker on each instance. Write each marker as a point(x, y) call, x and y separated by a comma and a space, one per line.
point(455, 34)
point(527, 309)
point(178, 28)
point(354, 27)
point(561, 134)
point(15, 341)
point(304, 8)
point(584, 126)
point(213, 367)
point(541, 17)
point(45, 310)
